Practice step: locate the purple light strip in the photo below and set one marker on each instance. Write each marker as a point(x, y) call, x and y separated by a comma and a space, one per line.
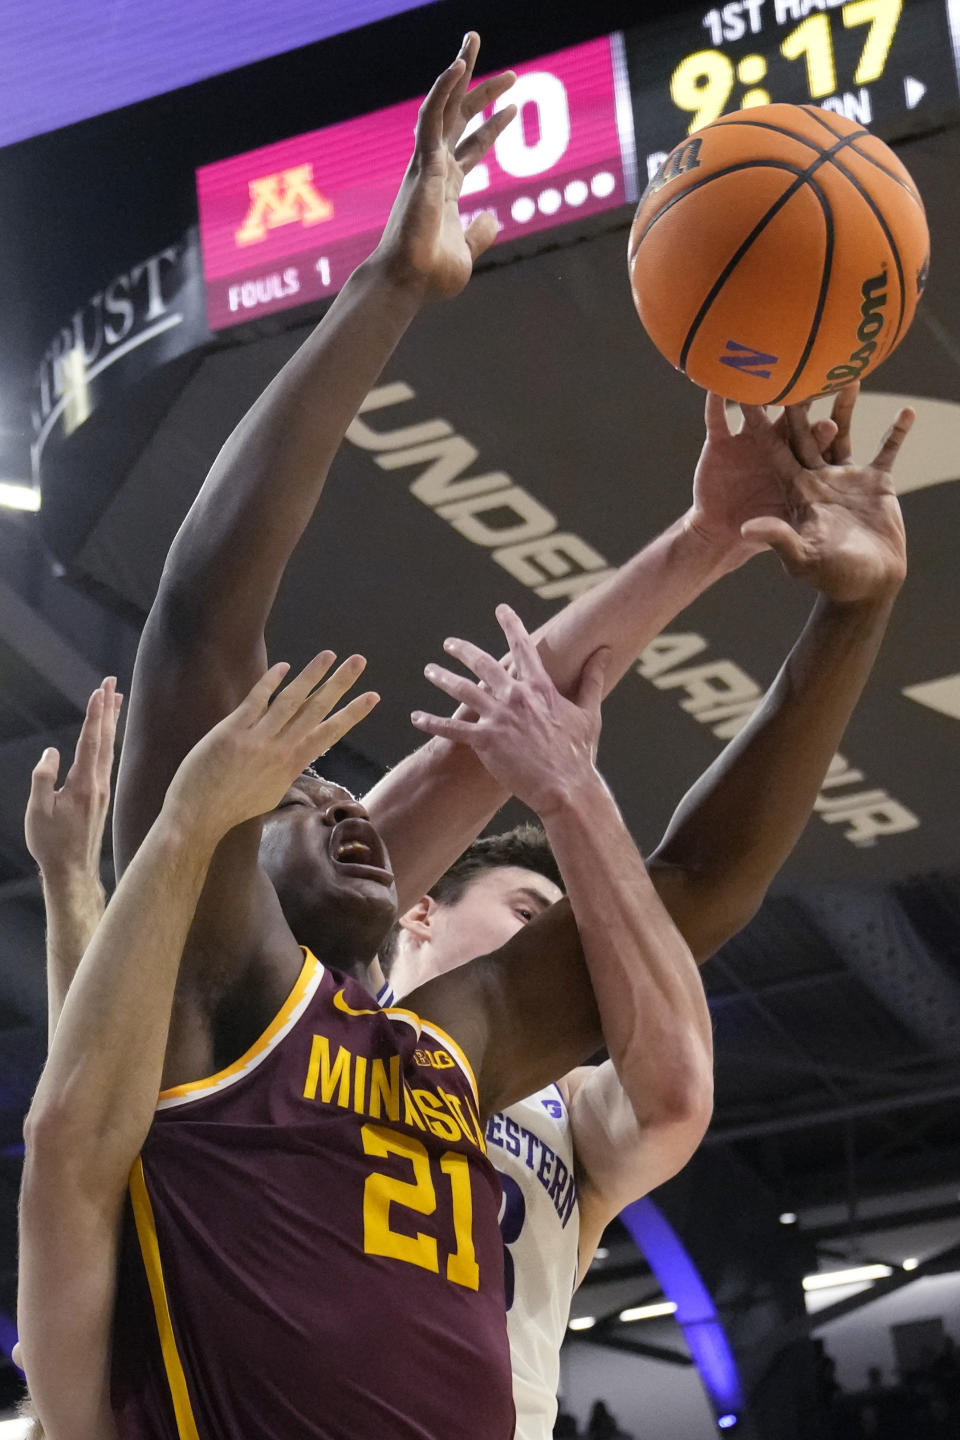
point(696, 1313)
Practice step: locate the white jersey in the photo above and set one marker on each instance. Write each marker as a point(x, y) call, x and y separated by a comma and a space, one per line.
point(532, 1148)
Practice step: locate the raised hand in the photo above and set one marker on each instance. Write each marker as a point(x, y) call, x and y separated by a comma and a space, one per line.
point(64, 828)
point(736, 481)
point(243, 766)
point(839, 525)
point(424, 240)
point(531, 739)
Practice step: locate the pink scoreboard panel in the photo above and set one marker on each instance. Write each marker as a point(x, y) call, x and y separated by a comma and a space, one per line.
point(286, 224)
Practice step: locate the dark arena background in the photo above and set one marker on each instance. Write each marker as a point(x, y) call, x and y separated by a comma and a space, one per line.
point(165, 246)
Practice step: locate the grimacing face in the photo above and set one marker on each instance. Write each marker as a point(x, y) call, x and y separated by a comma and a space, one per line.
point(330, 869)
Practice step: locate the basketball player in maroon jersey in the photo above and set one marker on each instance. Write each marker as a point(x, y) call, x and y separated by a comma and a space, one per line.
point(95, 1101)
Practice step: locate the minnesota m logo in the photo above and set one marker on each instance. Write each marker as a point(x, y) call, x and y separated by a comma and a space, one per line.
point(748, 361)
point(284, 199)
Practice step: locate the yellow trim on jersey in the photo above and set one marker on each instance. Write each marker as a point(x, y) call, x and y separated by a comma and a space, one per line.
point(458, 1054)
point(307, 972)
point(341, 1004)
point(150, 1250)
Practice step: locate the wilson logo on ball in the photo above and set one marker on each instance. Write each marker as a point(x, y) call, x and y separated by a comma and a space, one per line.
point(871, 323)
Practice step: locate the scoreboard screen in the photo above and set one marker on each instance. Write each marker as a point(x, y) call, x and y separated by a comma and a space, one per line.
point(887, 64)
point(287, 223)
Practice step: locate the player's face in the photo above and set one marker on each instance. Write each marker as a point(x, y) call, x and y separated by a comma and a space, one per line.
point(494, 906)
point(330, 869)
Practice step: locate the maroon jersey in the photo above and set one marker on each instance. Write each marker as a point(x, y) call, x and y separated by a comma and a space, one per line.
point(314, 1250)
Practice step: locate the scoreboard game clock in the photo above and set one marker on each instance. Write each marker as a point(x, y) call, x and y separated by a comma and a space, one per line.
point(888, 64)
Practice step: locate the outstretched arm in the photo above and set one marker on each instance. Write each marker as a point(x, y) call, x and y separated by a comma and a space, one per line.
point(647, 992)
point(203, 643)
point(433, 804)
point(842, 532)
point(736, 826)
point(64, 834)
point(96, 1097)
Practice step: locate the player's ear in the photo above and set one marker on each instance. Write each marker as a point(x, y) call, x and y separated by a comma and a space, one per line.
point(418, 920)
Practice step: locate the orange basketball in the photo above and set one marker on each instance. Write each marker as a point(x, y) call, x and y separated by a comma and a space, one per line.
point(778, 253)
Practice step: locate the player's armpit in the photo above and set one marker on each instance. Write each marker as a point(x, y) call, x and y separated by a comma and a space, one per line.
point(618, 1158)
point(523, 1015)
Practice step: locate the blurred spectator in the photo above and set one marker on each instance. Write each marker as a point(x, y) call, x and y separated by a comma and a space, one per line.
point(602, 1426)
point(565, 1427)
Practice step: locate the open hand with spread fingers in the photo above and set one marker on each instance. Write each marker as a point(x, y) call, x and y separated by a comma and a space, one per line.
point(245, 764)
point(533, 740)
point(424, 241)
point(839, 524)
point(737, 479)
point(64, 828)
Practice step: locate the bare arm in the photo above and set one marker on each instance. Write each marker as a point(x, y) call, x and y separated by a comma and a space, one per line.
point(732, 832)
point(646, 988)
point(433, 804)
point(203, 642)
point(436, 801)
point(96, 1097)
point(64, 834)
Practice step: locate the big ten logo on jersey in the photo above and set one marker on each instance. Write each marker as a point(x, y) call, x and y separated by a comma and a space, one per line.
point(437, 1059)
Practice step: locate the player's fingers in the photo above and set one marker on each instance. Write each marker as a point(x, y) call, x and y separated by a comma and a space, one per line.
point(474, 146)
point(317, 738)
point(108, 730)
point(460, 731)
point(256, 702)
point(88, 741)
point(781, 537)
point(453, 109)
point(306, 696)
point(459, 688)
point(715, 416)
point(430, 117)
point(483, 665)
point(803, 442)
point(842, 415)
point(523, 651)
point(770, 440)
point(481, 233)
point(43, 780)
point(894, 438)
point(825, 432)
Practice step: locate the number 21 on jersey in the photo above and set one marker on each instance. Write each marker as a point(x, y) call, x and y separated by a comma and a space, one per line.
point(419, 1195)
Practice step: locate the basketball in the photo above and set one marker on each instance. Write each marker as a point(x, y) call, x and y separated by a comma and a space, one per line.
point(778, 253)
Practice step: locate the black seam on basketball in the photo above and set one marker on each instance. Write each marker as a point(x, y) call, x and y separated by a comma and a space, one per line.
point(816, 114)
point(779, 130)
point(717, 175)
point(821, 298)
point(881, 221)
point(890, 173)
point(760, 226)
